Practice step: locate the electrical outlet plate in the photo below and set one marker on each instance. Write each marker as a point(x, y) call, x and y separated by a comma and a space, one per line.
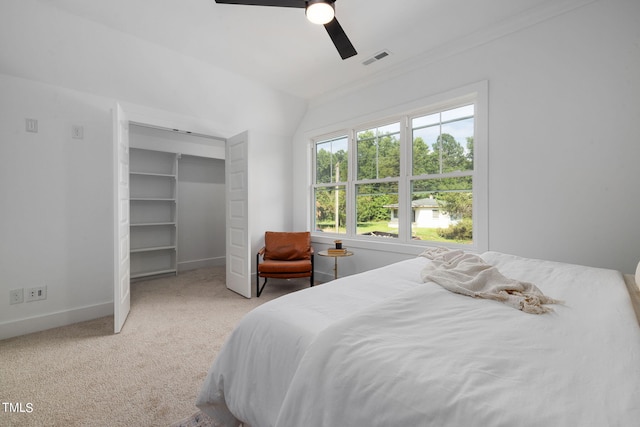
point(36, 294)
point(77, 132)
point(31, 125)
point(16, 296)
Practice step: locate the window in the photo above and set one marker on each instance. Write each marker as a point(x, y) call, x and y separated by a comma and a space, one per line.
point(377, 180)
point(442, 175)
point(331, 171)
point(412, 179)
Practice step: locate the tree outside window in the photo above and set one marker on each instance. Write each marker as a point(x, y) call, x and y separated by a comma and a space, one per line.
point(414, 185)
point(331, 171)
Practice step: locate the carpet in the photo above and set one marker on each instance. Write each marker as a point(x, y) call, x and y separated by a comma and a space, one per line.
point(196, 420)
point(148, 375)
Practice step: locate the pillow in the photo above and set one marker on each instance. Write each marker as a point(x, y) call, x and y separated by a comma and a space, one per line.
point(638, 275)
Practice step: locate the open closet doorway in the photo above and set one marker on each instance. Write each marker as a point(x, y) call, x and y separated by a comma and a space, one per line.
point(177, 201)
point(176, 189)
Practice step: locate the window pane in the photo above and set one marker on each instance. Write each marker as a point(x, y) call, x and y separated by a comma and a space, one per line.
point(332, 160)
point(378, 152)
point(458, 113)
point(331, 209)
point(426, 154)
point(431, 119)
point(443, 145)
point(376, 209)
point(442, 209)
point(457, 146)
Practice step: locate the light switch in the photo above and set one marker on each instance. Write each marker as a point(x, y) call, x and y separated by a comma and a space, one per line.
point(32, 125)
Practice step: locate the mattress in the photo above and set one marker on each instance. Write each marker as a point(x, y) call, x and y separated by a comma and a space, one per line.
point(381, 348)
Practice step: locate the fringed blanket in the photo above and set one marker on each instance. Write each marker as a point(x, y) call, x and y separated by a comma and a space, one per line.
point(470, 275)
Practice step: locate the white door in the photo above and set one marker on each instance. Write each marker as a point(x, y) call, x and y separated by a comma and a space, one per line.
point(122, 268)
point(238, 240)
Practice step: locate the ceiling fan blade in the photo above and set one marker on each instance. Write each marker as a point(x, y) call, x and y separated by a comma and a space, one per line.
point(278, 3)
point(340, 39)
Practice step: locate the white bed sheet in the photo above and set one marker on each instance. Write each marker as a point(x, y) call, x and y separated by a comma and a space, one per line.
point(251, 375)
point(383, 349)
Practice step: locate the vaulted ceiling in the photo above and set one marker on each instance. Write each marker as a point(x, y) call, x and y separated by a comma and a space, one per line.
point(279, 47)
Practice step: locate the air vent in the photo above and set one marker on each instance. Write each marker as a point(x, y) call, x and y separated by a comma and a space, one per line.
point(378, 56)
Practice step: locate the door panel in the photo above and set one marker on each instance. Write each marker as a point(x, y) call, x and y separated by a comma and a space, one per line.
point(122, 273)
point(238, 241)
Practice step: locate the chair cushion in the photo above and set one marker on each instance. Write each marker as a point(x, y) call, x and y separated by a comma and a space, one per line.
point(280, 267)
point(286, 246)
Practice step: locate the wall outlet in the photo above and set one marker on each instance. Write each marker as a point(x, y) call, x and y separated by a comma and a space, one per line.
point(16, 296)
point(36, 294)
point(77, 132)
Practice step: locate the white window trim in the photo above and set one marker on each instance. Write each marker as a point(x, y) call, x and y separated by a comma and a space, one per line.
point(478, 93)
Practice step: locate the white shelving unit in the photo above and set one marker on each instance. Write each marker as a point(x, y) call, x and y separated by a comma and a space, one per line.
point(153, 184)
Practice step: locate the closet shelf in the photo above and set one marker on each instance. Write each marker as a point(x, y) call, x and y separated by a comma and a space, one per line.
point(152, 224)
point(152, 249)
point(153, 212)
point(151, 199)
point(163, 175)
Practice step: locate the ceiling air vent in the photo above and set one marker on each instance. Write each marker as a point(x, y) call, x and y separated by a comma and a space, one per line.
point(378, 56)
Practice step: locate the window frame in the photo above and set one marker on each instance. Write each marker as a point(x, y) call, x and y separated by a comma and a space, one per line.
point(329, 137)
point(476, 94)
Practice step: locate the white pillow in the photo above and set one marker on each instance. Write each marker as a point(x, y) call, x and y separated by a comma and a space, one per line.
point(638, 275)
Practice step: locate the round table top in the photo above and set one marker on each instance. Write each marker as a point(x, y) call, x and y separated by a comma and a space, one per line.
point(326, 253)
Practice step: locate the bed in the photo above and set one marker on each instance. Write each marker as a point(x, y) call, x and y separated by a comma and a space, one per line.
point(384, 348)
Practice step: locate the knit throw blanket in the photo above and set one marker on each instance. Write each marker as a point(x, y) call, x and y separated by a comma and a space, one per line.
point(470, 275)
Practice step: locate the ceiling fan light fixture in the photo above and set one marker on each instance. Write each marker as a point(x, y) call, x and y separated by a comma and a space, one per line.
point(320, 11)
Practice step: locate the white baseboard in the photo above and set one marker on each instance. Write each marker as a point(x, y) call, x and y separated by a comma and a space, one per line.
point(53, 320)
point(201, 263)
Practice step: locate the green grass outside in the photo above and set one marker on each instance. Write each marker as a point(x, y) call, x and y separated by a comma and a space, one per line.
point(428, 234)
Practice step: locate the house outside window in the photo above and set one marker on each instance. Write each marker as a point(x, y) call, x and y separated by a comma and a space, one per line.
point(410, 179)
point(442, 172)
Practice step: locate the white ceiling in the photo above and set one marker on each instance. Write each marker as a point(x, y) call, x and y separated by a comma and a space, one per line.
point(279, 47)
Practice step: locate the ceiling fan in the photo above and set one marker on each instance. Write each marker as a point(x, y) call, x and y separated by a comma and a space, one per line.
point(319, 12)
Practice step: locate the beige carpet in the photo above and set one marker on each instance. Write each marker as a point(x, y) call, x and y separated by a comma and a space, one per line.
point(148, 375)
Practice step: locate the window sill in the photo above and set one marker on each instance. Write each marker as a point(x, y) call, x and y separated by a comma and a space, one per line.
point(384, 245)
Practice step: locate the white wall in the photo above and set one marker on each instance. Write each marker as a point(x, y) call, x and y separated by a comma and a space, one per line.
point(56, 205)
point(563, 132)
point(270, 166)
point(201, 212)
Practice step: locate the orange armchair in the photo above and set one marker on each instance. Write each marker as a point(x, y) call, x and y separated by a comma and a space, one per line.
point(285, 255)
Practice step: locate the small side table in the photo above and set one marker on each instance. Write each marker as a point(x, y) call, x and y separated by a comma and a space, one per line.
point(335, 260)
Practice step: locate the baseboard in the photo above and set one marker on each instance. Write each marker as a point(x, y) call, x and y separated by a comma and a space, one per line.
point(53, 320)
point(201, 263)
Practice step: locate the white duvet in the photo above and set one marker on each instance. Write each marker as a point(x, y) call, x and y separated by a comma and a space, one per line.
point(383, 349)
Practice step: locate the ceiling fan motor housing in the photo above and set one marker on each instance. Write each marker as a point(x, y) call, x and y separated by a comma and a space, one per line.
point(320, 11)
